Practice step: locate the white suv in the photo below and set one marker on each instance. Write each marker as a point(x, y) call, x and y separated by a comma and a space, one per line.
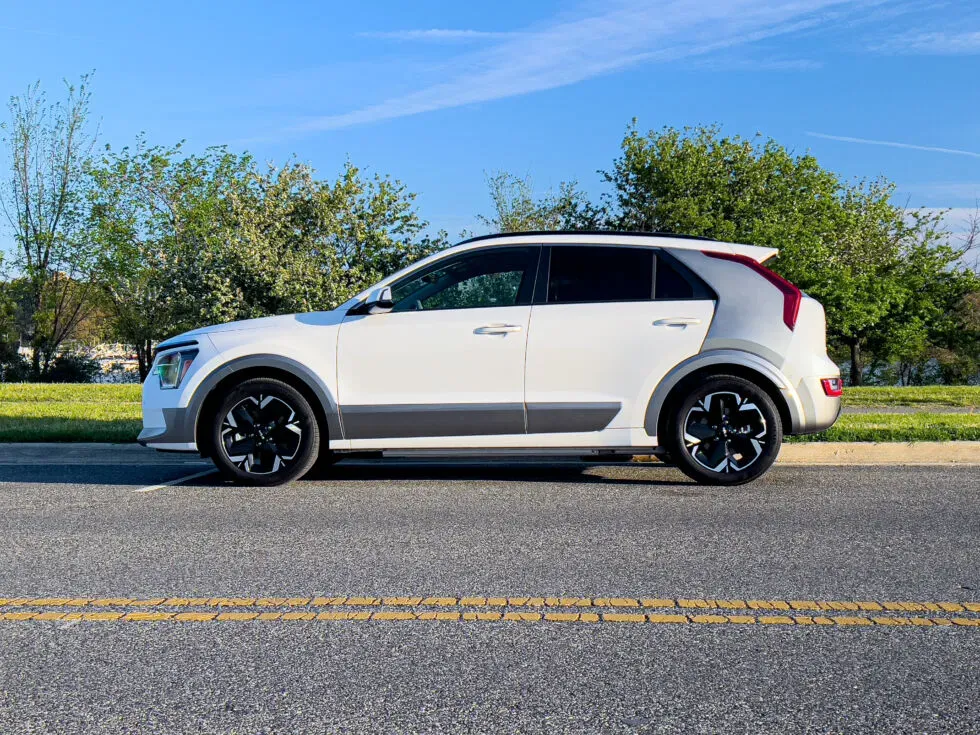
point(582, 343)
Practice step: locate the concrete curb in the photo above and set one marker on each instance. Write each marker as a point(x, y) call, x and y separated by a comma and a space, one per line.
point(881, 453)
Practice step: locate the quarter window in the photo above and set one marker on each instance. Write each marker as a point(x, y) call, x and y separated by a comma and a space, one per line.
point(494, 277)
point(671, 285)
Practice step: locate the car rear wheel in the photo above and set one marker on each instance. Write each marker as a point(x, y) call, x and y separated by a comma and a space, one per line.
point(726, 431)
point(264, 433)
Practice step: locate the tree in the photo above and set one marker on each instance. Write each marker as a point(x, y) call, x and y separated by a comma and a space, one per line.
point(157, 216)
point(517, 210)
point(189, 240)
point(44, 202)
point(868, 261)
point(310, 244)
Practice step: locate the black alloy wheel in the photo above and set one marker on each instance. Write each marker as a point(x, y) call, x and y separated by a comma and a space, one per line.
point(726, 432)
point(265, 433)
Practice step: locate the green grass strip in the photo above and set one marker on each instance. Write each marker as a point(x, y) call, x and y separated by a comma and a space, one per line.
point(891, 427)
point(930, 395)
point(70, 393)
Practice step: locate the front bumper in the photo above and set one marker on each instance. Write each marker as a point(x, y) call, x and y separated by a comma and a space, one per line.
point(175, 435)
point(169, 421)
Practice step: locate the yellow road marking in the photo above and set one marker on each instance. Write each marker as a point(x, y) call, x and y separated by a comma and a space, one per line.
point(474, 616)
point(516, 609)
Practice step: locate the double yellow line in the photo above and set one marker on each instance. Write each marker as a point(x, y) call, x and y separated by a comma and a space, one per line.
point(518, 609)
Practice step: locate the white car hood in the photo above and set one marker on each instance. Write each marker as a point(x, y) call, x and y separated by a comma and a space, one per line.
point(283, 323)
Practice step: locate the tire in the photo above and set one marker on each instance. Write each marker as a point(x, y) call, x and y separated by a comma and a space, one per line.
point(282, 448)
point(725, 431)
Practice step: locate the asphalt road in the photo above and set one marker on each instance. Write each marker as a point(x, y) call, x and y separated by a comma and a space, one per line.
point(96, 524)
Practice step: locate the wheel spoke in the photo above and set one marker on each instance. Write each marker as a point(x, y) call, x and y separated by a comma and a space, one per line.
point(699, 432)
point(239, 447)
point(717, 457)
point(241, 415)
point(748, 448)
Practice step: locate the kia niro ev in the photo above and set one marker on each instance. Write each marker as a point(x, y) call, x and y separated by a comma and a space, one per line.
point(581, 343)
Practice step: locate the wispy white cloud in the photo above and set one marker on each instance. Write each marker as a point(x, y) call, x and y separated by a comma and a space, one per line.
point(936, 43)
point(40, 32)
point(604, 37)
point(894, 144)
point(943, 191)
point(741, 65)
point(440, 35)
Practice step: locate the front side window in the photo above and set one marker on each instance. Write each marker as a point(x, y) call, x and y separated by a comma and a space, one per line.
point(494, 277)
point(581, 274)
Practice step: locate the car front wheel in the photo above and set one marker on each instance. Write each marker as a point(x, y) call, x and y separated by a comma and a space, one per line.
point(264, 433)
point(726, 431)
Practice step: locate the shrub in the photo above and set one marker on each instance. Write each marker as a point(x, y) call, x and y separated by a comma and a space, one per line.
point(72, 369)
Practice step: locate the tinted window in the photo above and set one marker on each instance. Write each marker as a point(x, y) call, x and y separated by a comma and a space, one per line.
point(670, 283)
point(497, 277)
point(580, 274)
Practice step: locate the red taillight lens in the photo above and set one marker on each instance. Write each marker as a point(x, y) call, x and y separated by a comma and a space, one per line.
point(791, 294)
point(833, 387)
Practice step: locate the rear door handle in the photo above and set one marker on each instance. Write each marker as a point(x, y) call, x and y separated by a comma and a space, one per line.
point(497, 329)
point(677, 321)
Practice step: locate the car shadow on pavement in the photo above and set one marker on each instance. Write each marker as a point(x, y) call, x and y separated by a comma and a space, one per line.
point(504, 471)
point(135, 475)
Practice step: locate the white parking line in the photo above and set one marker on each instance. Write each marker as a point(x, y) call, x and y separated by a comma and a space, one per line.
point(178, 481)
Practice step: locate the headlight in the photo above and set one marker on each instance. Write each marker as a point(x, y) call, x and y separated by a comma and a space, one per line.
point(171, 367)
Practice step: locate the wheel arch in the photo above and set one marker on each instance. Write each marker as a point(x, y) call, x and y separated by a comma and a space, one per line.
point(208, 395)
point(723, 362)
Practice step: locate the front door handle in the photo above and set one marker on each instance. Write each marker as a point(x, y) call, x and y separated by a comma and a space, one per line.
point(677, 321)
point(497, 329)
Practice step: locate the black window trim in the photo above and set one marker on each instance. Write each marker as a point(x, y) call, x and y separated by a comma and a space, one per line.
point(702, 291)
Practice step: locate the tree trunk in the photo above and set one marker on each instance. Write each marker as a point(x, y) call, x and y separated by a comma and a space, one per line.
point(144, 355)
point(857, 369)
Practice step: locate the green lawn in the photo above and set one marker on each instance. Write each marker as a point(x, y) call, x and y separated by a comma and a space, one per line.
point(904, 427)
point(932, 395)
point(111, 413)
point(32, 412)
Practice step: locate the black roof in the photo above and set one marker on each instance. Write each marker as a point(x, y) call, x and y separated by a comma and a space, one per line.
point(585, 232)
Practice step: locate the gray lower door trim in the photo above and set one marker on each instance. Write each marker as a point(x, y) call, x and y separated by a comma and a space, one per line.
point(474, 419)
point(566, 418)
point(421, 420)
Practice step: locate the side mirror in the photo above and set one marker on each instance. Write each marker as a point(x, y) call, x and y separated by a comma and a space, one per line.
point(379, 301)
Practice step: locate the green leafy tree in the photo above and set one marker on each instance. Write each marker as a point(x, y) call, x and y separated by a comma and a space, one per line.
point(868, 261)
point(44, 202)
point(515, 208)
point(158, 217)
point(188, 240)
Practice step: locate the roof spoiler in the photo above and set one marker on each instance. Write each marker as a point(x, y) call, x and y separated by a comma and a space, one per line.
point(758, 254)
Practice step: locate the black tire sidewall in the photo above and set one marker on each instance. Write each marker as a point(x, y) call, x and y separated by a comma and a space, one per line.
point(678, 448)
point(309, 444)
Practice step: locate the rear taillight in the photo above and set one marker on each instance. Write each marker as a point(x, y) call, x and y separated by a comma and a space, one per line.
point(791, 294)
point(833, 387)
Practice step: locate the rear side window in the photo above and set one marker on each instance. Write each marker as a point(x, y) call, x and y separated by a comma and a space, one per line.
point(581, 274)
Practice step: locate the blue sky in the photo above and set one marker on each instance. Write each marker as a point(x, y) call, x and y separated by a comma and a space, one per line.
point(437, 94)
